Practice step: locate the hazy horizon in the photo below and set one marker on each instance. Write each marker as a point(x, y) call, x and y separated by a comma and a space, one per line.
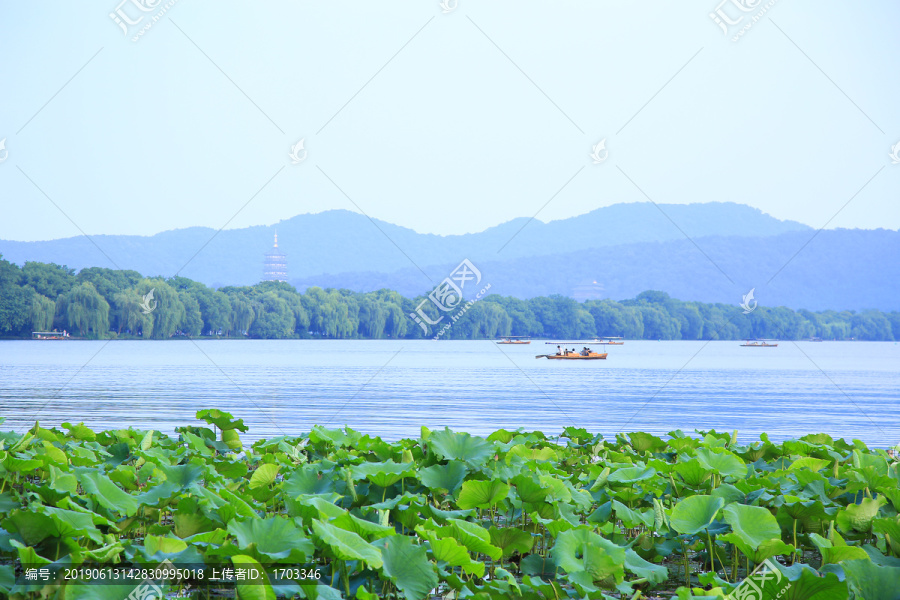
point(538, 219)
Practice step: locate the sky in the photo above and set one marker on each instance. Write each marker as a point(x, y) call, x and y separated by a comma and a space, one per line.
point(445, 121)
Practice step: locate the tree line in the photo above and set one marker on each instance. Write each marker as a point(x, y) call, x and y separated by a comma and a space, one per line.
point(100, 303)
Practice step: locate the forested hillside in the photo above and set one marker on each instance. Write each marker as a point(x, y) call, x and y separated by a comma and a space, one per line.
point(99, 303)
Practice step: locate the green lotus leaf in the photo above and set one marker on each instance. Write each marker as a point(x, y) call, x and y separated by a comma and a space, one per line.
point(183, 476)
point(336, 437)
point(106, 493)
point(406, 564)
point(630, 475)
point(253, 588)
point(695, 513)
point(645, 442)
point(556, 489)
point(859, 517)
point(653, 573)
point(444, 477)
point(632, 518)
point(154, 544)
point(452, 445)
point(274, 538)
point(529, 489)
point(588, 558)
point(723, 462)
point(221, 419)
point(307, 480)
point(482, 494)
point(868, 580)
point(832, 554)
point(809, 463)
point(366, 529)
point(80, 432)
point(754, 524)
point(263, 476)
point(511, 540)
point(501, 435)
point(692, 471)
point(383, 474)
point(471, 535)
point(890, 529)
point(450, 551)
point(537, 454)
point(346, 545)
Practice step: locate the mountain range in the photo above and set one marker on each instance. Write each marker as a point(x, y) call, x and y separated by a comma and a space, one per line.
point(711, 252)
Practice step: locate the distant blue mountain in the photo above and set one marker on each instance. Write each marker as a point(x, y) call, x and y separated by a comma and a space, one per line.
point(840, 270)
point(339, 241)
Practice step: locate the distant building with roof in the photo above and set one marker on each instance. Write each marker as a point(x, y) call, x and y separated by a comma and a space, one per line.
point(275, 264)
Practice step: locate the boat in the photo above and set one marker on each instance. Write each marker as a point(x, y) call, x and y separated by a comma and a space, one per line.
point(514, 339)
point(50, 335)
point(758, 344)
point(586, 354)
point(610, 341)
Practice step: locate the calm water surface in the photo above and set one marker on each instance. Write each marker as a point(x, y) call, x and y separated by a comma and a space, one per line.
point(392, 388)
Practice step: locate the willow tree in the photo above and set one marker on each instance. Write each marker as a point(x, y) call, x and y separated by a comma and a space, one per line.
point(163, 307)
point(84, 311)
point(42, 311)
point(128, 314)
point(192, 323)
point(242, 314)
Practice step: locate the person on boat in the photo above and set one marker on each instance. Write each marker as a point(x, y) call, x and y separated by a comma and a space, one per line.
point(558, 350)
point(585, 351)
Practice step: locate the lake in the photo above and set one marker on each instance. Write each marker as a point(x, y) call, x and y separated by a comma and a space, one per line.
point(391, 388)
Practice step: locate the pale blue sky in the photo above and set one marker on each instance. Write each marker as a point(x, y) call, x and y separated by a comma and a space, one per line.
point(450, 135)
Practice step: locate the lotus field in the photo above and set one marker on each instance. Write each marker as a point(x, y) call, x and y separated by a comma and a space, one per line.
point(338, 514)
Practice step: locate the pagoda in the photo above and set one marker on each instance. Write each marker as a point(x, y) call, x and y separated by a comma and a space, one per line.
point(275, 264)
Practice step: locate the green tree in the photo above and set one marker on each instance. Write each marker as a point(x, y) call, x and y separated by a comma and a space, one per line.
point(84, 311)
point(275, 319)
point(128, 314)
point(192, 322)
point(48, 279)
point(168, 313)
point(15, 302)
point(43, 309)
